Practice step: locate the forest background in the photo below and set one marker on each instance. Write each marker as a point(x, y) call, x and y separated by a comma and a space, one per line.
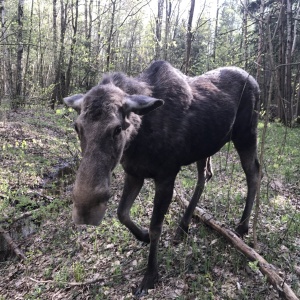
point(49, 50)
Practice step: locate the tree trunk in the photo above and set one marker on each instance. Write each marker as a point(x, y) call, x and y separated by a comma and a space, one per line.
point(17, 101)
point(158, 29)
point(110, 36)
point(85, 18)
point(41, 50)
point(216, 32)
point(28, 53)
point(130, 48)
point(55, 61)
point(59, 90)
point(245, 33)
point(89, 73)
point(74, 38)
point(189, 37)
point(4, 84)
point(280, 72)
point(298, 104)
point(167, 31)
point(295, 29)
point(288, 69)
point(99, 40)
point(176, 25)
point(260, 46)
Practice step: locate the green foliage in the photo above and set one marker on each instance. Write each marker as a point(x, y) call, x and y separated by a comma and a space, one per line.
point(78, 271)
point(30, 154)
point(62, 276)
point(253, 265)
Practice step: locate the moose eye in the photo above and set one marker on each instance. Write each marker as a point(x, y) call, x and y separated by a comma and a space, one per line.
point(117, 130)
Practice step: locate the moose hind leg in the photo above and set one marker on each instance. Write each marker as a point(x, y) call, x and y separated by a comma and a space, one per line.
point(250, 166)
point(204, 174)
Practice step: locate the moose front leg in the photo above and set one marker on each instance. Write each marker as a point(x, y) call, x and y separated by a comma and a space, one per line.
point(131, 189)
point(162, 200)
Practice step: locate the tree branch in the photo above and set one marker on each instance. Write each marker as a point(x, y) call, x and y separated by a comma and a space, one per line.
point(267, 269)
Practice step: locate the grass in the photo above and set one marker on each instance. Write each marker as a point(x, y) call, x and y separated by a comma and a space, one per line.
point(31, 149)
point(36, 142)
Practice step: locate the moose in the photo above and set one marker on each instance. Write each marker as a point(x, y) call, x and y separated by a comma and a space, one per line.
point(154, 124)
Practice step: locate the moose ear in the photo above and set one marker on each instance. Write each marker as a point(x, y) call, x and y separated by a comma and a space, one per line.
point(75, 101)
point(141, 104)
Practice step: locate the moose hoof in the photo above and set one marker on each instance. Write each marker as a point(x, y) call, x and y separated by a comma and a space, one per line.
point(143, 236)
point(180, 235)
point(241, 230)
point(147, 283)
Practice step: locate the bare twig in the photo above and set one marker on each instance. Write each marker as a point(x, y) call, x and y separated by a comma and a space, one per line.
point(84, 283)
point(267, 269)
point(68, 283)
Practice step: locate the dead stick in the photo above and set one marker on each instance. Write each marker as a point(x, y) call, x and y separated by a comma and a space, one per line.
point(12, 244)
point(83, 283)
point(68, 283)
point(267, 269)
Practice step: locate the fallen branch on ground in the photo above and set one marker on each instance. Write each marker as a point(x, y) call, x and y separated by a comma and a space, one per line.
point(12, 244)
point(267, 269)
point(68, 283)
point(84, 283)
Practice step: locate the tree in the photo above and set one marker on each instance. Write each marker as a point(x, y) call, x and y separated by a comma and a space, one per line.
point(158, 27)
point(74, 20)
point(216, 32)
point(4, 53)
point(26, 70)
point(167, 31)
point(189, 36)
point(245, 34)
point(7, 74)
point(288, 68)
point(19, 80)
point(110, 35)
point(59, 90)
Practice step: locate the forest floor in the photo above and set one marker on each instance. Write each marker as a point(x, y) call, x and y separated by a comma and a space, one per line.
point(38, 159)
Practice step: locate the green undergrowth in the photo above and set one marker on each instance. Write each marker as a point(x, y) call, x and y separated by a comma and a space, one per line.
point(36, 143)
point(279, 219)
